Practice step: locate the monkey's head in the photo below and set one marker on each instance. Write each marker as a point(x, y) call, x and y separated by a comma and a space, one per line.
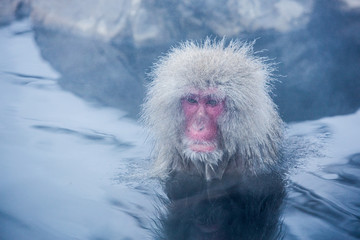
point(209, 111)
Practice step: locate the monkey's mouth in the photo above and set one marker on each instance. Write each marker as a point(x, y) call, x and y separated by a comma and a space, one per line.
point(203, 151)
point(200, 146)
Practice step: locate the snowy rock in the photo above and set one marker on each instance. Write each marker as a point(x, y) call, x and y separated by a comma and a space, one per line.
point(13, 9)
point(141, 22)
point(150, 22)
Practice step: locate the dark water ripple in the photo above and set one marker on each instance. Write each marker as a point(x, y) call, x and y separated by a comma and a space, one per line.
point(100, 137)
point(355, 160)
point(27, 76)
point(342, 213)
point(141, 221)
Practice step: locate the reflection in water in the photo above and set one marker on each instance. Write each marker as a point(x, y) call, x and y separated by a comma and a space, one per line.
point(226, 209)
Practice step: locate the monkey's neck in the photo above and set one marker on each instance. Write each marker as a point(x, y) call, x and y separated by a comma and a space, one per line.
point(213, 171)
point(208, 170)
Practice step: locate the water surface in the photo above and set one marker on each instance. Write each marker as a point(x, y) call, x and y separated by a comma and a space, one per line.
point(74, 161)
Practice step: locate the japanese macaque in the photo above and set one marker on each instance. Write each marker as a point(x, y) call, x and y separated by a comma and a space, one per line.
point(210, 113)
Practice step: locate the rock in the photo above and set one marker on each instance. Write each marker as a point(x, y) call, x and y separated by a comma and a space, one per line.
point(141, 22)
point(11, 10)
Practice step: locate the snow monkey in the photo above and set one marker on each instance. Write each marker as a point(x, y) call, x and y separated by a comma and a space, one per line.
point(210, 113)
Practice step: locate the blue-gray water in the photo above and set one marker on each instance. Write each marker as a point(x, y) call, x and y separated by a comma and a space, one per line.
point(73, 168)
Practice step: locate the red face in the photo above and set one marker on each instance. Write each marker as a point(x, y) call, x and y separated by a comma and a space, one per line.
point(201, 111)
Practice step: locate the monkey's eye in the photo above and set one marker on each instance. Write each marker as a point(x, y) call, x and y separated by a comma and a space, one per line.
point(191, 100)
point(212, 102)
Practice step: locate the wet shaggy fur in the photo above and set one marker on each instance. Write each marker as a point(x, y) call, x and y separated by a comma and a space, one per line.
point(250, 129)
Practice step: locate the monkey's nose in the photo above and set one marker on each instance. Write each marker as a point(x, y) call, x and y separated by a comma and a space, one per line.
point(199, 124)
point(197, 128)
point(201, 128)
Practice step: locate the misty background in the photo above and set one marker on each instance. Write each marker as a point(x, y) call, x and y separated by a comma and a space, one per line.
point(74, 160)
point(103, 49)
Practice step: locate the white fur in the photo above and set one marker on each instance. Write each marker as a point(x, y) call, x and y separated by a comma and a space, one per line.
point(250, 127)
point(205, 157)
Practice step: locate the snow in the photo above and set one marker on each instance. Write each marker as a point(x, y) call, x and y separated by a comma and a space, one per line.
point(281, 15)
point(352, 3)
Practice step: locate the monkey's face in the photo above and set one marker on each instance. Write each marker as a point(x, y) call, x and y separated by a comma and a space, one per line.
point(202, 108)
